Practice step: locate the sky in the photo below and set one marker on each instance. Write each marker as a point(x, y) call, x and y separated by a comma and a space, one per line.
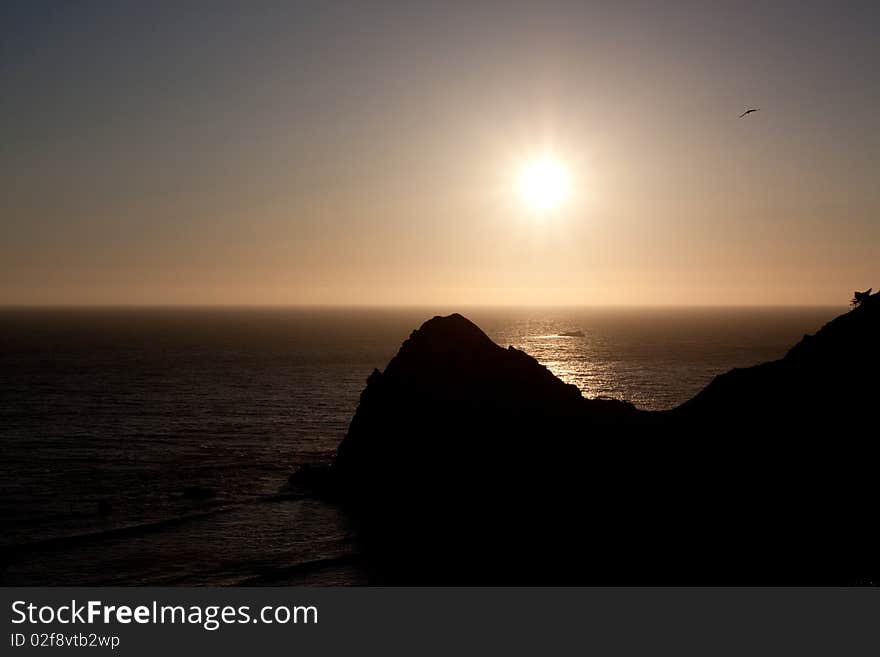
point(339, 153)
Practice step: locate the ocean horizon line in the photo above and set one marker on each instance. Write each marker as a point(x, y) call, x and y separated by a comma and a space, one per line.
point(441, 307)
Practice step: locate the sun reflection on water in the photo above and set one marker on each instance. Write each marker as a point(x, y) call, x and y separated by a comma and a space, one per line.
point(574, 359)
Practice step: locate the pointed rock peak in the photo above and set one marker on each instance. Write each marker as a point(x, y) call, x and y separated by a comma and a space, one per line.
point(451, 329)
point(443, 344)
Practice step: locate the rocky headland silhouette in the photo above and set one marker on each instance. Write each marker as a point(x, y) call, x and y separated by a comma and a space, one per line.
point(469, 463)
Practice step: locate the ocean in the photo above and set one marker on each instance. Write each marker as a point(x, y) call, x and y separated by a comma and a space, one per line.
point(149, 446)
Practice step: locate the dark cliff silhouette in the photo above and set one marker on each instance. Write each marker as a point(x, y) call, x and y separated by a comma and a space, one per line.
point(469, 463)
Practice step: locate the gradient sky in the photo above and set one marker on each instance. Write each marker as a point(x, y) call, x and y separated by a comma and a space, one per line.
point(365, 152)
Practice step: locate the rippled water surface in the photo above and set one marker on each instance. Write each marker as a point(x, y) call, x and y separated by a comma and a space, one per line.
point(148, 446)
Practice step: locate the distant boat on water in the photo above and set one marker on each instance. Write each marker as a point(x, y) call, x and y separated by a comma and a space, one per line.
point(571, 334)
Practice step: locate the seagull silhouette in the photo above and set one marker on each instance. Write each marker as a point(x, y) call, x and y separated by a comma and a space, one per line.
point(749, 111)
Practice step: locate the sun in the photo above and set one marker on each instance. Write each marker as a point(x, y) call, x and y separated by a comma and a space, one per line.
point(544, 184)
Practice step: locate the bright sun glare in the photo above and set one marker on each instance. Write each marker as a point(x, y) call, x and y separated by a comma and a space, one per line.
point(544, 184)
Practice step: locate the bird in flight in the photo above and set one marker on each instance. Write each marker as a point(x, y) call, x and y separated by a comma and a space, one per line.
point(749, 111)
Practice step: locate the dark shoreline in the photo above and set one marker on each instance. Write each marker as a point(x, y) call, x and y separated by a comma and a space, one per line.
point(451, 391)
point(122, 461)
